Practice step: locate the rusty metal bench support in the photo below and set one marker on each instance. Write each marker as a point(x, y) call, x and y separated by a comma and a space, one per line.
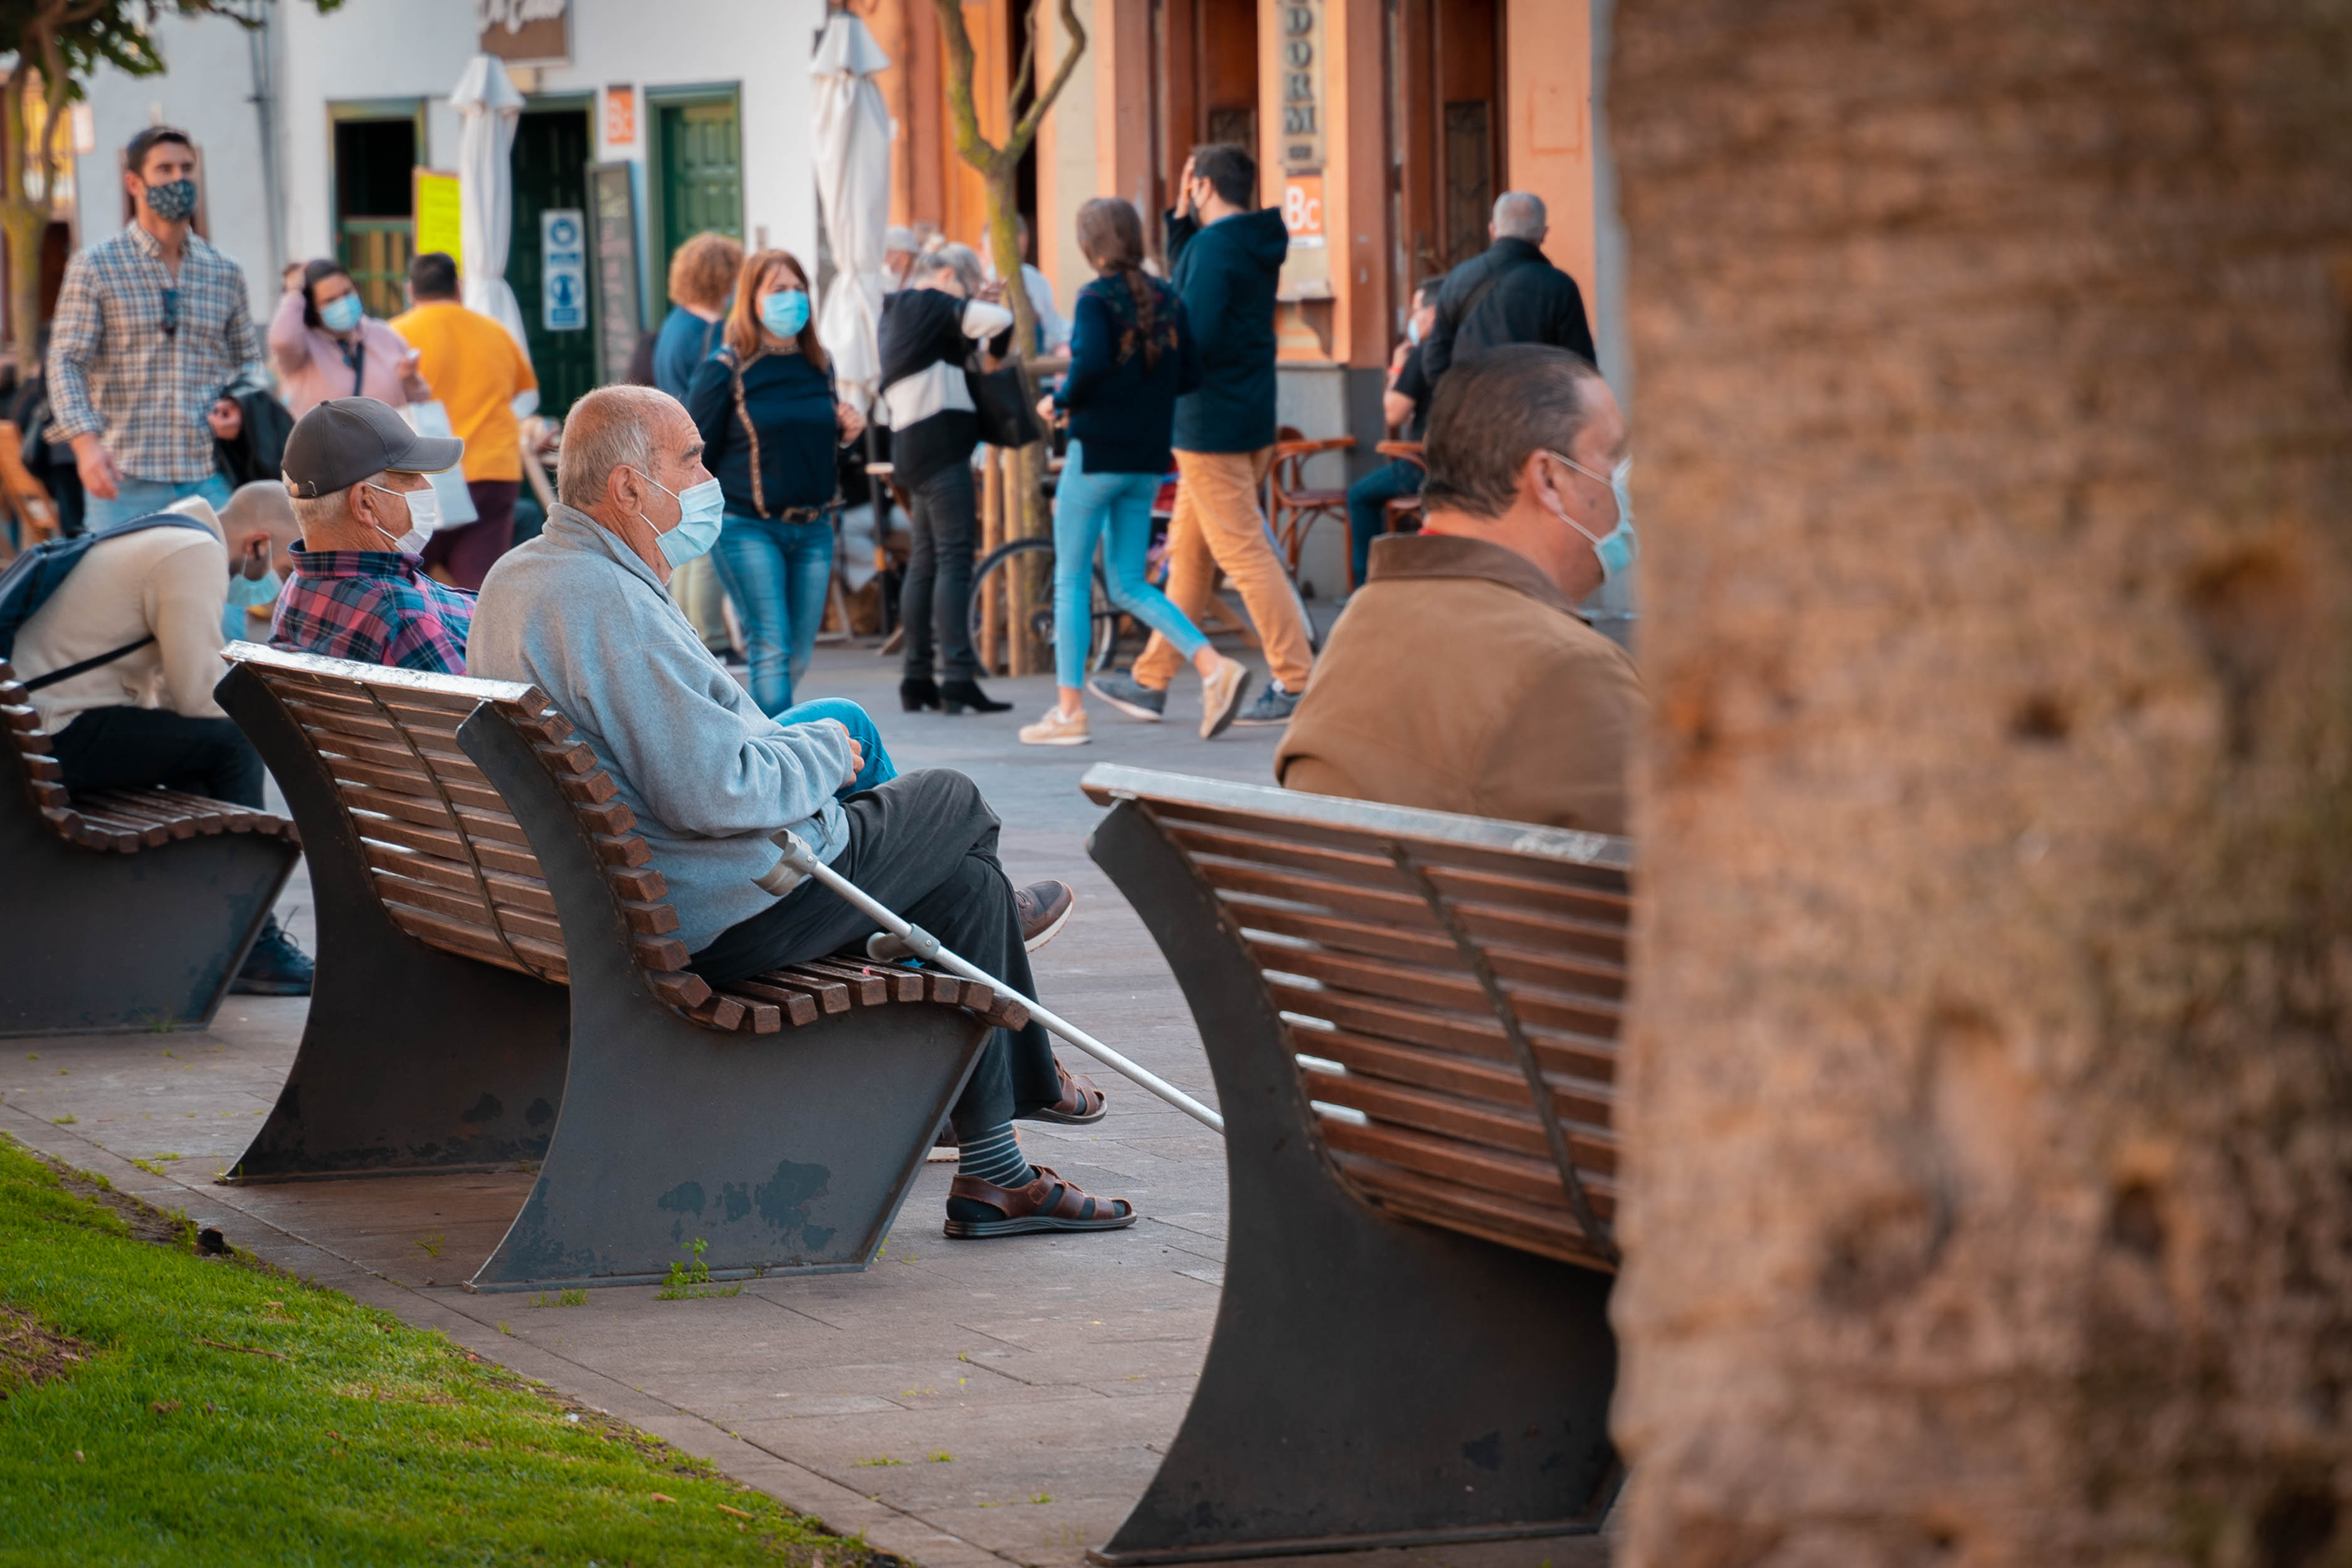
point(786, 1152)
point(1372, 1381)
point(102, 943)
point(411, 1060)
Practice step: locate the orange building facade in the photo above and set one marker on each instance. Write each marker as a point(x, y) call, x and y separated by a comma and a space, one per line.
point(1383, 128)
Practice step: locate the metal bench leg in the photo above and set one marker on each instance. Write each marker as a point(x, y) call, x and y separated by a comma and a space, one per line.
point(411, 1060)
point(783, 1153)
point(1372, 1381)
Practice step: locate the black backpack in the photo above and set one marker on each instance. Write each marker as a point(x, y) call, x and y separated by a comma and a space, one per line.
point(37, 573)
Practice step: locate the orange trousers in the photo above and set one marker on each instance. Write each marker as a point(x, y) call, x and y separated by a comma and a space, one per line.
point(1218, 526)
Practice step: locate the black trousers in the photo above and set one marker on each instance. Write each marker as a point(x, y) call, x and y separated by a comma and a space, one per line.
point(944, 521)
point(142, 748)
point(924, 844)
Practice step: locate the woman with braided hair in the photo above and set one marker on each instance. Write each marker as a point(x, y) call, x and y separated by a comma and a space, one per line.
point(1132, 353)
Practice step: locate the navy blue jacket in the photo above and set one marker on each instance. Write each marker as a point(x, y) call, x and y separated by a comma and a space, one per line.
point(1120, 411)
point(791, 404)
point(684, 340)
point(1226, 273)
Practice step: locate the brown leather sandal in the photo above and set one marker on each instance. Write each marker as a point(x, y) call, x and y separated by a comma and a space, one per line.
point(1048, 1203)
point(1082, 1103)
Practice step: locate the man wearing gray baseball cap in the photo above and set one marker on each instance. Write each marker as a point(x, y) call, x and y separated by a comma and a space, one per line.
point(358, 477)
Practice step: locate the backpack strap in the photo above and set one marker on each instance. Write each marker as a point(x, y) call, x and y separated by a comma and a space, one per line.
point(86, 665)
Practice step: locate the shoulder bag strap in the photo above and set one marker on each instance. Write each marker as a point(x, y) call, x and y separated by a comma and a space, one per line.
point(1485, 287)
point(734, 363)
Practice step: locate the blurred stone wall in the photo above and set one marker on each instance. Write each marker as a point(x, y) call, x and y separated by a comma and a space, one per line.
point(1991, 1087)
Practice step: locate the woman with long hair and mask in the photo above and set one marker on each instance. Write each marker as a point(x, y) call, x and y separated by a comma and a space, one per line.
point(324, 344)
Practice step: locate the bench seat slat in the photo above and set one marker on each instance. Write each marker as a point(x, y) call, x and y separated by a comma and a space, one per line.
point(149, 834)
point(797, 1007)
point(1378, 872)
point(1407, 910)
point(445, 845)
point(1471, 1035)
point(409, 781)
point(1602, 880)
point(1555, 971)
point(474, 940)
point(467, 906)
point(1577, 1099)
point(1554, 1233)
point(523, 891)
point(1480, 1168)
point(338, 746)
point(126, 805)
point(1511, 1129)
point(416, 709)
point(1457, 991)
point(427, 812)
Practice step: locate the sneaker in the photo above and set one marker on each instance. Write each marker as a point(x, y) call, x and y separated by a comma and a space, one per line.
point(276, 966)
point(1058, 729)
point(1221, 697)
point(1129, 696)
point(1274, 705)
point(1044, 908)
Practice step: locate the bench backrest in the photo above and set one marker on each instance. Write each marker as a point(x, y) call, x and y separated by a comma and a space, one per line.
point(121, 820)
point(1428, 969)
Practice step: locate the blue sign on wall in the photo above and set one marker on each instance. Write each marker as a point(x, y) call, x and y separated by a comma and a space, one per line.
point(563, 269)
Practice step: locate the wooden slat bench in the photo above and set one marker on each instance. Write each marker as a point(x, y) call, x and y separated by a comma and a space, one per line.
point(499, 980)
point(125, 909)
point(1411, 1017)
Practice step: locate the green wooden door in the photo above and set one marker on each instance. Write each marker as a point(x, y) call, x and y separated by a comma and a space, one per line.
point(701, 173)
point(551, 170)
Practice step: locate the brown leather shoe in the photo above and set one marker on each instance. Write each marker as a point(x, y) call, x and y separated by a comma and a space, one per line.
point(1044, 908)
point(1048, 1203)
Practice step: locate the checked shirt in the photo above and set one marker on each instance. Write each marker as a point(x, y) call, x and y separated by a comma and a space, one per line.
point(375, 607)
point(113, 370)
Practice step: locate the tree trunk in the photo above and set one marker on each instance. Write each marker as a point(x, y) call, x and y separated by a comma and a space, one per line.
point(24, 222)
point(1989, 1083)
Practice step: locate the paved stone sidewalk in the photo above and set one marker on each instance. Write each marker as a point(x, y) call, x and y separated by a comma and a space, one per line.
point(960, 1403)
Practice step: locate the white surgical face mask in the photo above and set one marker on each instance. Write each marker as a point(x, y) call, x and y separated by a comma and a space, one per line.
point(424, 517)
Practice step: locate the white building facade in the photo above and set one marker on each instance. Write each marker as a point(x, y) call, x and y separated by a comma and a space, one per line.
point(681, 114)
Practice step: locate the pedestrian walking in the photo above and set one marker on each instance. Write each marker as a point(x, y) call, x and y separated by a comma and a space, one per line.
point(1227, 261)
point(484, 379)
point(151, 324)
point(1508, 293)
point(772, 432)
point(701, 282)
point(930, 328)
point(1131, 355)
point(325, 344)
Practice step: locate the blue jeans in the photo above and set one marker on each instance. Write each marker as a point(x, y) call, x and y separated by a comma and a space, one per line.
point(137, 497)
point(1368, 507)
point(1117, 509)
point(878, 767)
point(776, 572)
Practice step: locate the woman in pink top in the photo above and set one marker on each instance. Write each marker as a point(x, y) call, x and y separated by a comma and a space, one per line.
point(325, 345)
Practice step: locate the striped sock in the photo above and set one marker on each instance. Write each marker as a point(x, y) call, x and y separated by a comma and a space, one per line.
point(994, 1157)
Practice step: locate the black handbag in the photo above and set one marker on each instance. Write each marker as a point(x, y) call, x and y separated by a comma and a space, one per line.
point(1000, 398)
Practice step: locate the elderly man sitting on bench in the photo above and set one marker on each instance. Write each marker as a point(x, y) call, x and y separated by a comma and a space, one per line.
point(580, 611)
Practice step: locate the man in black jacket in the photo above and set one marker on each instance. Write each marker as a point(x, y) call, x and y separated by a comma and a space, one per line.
point(1227, 260)
point(1507, 294)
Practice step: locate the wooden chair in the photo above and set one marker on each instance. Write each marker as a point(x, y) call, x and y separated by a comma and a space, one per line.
point(1292, 506)
point(1402, 511)
point(498, 981)
point(1411, 1017)
point(126, 909)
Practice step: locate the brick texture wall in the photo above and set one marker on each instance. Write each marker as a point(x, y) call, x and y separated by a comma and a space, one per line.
point(1991, 1095)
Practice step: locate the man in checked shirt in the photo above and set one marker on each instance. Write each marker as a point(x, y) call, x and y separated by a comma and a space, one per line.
point(152, 325)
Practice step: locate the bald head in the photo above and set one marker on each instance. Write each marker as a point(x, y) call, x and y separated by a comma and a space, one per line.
point(1519, 214)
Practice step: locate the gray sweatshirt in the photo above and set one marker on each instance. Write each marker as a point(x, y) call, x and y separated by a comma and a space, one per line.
point(707, 774)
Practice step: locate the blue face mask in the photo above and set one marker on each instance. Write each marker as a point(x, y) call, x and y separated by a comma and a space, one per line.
point(341, 313)
point(785, 312)
point(700, 509)
point(1621, 549)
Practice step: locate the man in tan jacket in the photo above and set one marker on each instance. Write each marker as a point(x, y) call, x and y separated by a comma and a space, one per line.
point(1461, 677)
point(147, 718)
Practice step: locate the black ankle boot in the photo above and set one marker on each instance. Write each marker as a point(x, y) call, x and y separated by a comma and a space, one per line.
point(966, 693)
point(919, 691)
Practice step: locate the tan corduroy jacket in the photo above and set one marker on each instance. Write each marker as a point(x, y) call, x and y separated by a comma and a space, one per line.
point(1461, 679)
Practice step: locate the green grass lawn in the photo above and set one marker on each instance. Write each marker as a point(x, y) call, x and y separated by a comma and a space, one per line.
point(162, 1406)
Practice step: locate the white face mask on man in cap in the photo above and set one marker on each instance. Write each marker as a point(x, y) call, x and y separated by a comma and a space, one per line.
point(424, 517)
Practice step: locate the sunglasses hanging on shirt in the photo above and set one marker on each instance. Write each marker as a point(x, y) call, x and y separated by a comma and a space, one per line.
point(171, 313)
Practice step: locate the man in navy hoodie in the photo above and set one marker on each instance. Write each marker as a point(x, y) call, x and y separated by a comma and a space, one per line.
point(1226, 261)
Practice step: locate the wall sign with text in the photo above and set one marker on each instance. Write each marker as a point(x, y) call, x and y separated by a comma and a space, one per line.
point(563, 270)
point(1301, 99)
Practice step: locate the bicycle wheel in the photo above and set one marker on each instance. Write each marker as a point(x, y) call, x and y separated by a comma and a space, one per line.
point(1026, 567)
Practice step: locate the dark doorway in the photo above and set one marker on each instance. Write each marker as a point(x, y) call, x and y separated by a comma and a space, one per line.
point(1204, 81)
point(551, 173)
point(375, 222)
point(1446, 128)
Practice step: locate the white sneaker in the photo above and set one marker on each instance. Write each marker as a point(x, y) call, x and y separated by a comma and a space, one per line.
point(1058, 729)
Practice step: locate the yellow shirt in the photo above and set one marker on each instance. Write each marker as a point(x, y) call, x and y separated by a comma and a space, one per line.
point(476, 369)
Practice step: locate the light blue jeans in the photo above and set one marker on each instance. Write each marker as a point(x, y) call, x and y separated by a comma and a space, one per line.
point(776, 572)
point(1115, 508)
point(137, 497)
point(878, 768)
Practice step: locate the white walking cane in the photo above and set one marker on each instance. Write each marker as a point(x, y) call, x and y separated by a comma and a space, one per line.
point(800, 859)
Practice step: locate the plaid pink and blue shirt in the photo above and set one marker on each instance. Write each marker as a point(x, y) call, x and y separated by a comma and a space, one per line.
point(377, 607)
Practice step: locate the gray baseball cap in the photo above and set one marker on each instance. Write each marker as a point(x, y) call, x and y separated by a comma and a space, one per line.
point(345, 439)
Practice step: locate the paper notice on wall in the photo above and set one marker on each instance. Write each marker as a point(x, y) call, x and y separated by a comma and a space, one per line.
point(437, 215)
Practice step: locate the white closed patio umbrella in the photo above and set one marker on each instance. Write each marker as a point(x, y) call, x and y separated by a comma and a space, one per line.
point(487, 102)
point(851, 136)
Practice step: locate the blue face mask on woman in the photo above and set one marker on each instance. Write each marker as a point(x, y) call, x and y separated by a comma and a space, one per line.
point(1620, 548)
point(785, 312)
point(341, 313)
point(700, 509)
